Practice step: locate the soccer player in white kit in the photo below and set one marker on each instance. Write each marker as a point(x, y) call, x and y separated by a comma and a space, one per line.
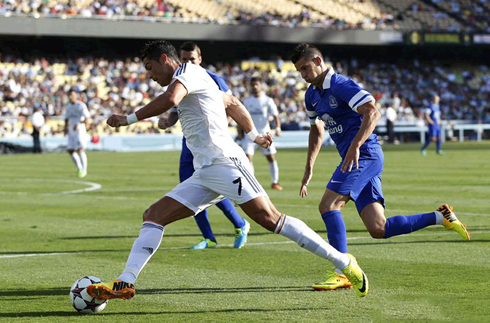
point(76, 116)
point(221, 169)
point(260, 107)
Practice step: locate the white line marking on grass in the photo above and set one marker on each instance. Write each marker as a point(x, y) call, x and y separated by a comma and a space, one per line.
point(91, 186)
point(39, 254)
point(230, 245)
point(289, 241)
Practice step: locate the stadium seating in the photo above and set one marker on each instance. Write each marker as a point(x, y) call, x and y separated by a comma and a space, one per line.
point(121, 86)
point(437, 15)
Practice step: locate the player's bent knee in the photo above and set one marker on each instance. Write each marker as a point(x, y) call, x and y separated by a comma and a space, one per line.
point(377, 232)
point(323, 208)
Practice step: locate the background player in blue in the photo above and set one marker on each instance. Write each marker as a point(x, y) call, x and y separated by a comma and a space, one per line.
point(350, 116)
point(189, 52)
point(433, 119)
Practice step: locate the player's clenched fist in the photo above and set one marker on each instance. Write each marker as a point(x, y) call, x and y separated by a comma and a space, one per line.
point(264, 140)
point(163, 123)
point(117, 121)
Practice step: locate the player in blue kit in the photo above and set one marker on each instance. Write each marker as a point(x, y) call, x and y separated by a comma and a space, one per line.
point(433, 119)
point(350, 116)
point(189, 52)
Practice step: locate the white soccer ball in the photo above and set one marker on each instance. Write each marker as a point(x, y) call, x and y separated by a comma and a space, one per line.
point(81, 300)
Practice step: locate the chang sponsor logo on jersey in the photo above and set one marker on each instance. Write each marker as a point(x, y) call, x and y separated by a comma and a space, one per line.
point(332, 126)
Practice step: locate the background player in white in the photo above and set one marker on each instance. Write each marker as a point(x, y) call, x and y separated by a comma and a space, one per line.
point(261, 107)
point(76, 117)
point(222, 169)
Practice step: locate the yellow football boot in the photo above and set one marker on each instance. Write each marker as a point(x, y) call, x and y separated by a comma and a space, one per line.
point(451, 222)
point(333, 281)
point(111, 290)
point(356, 276)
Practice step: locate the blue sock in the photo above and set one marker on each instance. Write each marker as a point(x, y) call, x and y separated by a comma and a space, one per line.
point(438, 145)
point(204, 225)
point(336, 232)
point(427, 143)
point(402, 224)
point(229, 211)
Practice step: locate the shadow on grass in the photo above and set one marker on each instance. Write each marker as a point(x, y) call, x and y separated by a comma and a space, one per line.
point(56, 291)
point(230, 310)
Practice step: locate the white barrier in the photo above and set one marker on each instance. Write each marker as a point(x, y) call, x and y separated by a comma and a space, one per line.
point(173, 142)
point(154, 142)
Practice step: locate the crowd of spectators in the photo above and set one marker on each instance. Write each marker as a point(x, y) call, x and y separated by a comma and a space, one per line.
point(121, 86)
point(472, 12)
point(476, 13)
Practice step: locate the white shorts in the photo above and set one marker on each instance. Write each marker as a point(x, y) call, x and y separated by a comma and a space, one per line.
point(230, 177)
point(249, 147)
point(77, 140)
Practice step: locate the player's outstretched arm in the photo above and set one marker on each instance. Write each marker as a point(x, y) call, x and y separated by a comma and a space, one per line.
point(171, 98)
point(315, 141)
point(238, 112)
point(370, 118)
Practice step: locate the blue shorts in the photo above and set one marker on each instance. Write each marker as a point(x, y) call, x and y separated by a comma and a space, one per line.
point(434, 131)
point(363, 185)
point(185, 171)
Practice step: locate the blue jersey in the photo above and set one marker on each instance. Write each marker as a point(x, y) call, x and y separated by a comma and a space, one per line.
point(434, 112)
point(186, 155)
point(336, 105)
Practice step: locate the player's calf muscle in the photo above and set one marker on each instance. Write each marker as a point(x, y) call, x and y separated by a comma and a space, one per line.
point(261, 213)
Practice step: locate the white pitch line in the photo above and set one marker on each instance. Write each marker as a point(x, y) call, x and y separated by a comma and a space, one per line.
point(92, 186)
point(39, 254)
point(223, 245)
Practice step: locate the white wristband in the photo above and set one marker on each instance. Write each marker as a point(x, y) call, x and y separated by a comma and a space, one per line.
point(132, 118)
point(278, 129)
point(253, 134)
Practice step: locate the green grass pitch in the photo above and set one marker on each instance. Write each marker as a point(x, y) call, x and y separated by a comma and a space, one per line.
point(429, 276)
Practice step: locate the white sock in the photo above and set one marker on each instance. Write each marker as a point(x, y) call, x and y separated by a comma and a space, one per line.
point(143, 248)
point(76, 160)
point(439, 218)
point(305, 237)
point(83, 158)
point(274, 170)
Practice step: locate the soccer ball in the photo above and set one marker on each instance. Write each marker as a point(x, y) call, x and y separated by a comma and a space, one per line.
point(81, 300)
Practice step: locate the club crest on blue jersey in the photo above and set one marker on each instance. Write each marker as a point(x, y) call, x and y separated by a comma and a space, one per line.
point(333, 102)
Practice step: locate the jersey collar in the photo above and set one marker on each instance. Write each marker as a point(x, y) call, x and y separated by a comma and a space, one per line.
point(327, 80)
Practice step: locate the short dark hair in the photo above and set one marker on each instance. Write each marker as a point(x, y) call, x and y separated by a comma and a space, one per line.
point(255, 79)
point(304, 50)
point(154, 49)
point(190, 46)
point(72, 90)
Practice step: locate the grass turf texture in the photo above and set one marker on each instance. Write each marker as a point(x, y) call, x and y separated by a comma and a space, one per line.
point(430, 275)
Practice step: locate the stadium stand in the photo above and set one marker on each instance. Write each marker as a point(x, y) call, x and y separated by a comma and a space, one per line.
point(434, 15)
point(121, 86)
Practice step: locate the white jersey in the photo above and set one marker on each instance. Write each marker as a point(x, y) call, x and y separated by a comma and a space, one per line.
point(260, 109)
point(76, 113)
point(203, 117)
